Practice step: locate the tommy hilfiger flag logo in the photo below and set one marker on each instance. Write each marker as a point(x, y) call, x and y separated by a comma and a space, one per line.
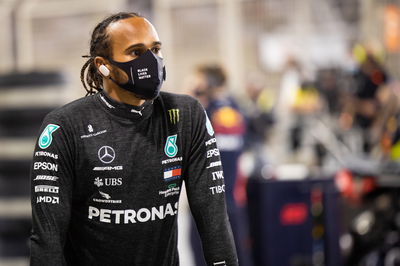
point(172, 173)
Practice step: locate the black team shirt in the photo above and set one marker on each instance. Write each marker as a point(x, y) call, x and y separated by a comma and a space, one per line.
point(106, 179)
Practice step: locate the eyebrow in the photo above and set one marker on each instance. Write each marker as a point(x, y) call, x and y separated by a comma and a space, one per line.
point(137, 45)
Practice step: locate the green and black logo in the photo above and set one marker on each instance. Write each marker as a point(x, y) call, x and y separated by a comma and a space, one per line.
point(170, 148)
point(173, 116)
point(46, 138)
point(171, 186)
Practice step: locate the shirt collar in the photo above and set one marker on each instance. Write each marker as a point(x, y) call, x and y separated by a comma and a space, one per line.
point(126, 110)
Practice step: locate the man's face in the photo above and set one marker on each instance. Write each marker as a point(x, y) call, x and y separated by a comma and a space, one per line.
point(129, 38)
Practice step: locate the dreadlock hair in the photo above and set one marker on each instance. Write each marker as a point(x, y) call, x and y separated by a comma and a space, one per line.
point(99, 46)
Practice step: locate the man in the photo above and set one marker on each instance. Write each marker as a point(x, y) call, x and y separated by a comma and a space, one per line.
point(108, 168)
point(209, 87)
point(226, 119)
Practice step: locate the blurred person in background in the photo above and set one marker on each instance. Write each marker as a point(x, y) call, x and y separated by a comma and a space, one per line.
point(329, 83)
point(209, 87)
point(289, 84)
point(298, 104)
point(389, 97)
point(306, 104)
point(259, 111)
point(363, 109)
point(108, 168)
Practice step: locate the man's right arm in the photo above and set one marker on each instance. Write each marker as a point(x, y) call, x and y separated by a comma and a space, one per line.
point(51, 193)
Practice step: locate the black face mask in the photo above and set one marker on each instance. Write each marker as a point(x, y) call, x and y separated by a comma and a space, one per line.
point(146, 75)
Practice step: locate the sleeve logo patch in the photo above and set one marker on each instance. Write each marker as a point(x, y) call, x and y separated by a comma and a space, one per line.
point(210, 129)
point(170, 146)
point(46, 136)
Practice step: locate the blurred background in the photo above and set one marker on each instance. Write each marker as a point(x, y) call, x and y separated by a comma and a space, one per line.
point(303, 96)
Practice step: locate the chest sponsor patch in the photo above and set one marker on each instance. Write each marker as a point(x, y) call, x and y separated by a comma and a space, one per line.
point(94, 134)
point(172, 160)
point(172, 173)
point(173, 116)
point(106, 154)
point(108, 168)
point(170, 148)
point(172, 190)
point(132, 216)
point(106, 198)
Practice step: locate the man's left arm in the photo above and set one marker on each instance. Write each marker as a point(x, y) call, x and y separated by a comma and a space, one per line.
point(205, 186)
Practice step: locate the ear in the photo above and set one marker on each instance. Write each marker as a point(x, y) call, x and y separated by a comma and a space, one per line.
point(99, 61)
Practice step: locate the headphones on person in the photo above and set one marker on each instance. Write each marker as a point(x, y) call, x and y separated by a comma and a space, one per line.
point(104, 70)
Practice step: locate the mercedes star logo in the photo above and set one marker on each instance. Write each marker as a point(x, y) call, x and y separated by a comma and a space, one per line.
point(106, 154)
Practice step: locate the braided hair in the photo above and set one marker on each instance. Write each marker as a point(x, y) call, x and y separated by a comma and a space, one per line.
point(99, 46)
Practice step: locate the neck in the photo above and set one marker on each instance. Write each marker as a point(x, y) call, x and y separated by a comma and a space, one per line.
point(121, 95)
point(218, 93)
